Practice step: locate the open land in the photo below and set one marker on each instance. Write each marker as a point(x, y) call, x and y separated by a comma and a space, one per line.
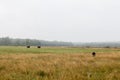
point(59, 63)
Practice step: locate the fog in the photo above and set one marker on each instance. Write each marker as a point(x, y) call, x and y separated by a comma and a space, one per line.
point(62, 20)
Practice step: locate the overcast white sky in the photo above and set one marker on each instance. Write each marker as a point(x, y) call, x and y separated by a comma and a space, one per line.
point(63, 20)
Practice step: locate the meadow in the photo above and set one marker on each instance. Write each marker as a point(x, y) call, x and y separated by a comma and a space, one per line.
point(59, 63)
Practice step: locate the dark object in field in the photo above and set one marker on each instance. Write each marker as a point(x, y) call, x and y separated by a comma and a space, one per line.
point(93, 54)
point(38, 46)
point(28, 46)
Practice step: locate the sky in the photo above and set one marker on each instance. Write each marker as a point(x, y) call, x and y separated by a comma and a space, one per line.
point(61, 20)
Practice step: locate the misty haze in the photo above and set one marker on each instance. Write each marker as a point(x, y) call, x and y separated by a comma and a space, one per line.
point(59, 40)
point(63, 20)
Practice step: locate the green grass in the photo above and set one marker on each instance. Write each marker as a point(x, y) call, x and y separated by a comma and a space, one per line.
point(12, 49)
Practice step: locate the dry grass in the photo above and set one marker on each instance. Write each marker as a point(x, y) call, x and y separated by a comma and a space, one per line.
point(77, 66)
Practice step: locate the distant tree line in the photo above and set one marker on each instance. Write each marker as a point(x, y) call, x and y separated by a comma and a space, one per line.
point(99, 44)
point(6, 41)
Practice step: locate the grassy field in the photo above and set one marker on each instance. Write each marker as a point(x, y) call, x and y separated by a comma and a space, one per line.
point(59, 63)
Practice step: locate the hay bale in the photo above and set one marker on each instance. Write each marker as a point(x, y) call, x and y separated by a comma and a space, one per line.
point(28, 46)
point(93, 54)
point(38, 46)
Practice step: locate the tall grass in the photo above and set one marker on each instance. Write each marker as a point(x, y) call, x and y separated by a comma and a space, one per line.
point(78, 65)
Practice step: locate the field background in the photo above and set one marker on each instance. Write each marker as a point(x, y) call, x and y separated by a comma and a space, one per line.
point(59, 63)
